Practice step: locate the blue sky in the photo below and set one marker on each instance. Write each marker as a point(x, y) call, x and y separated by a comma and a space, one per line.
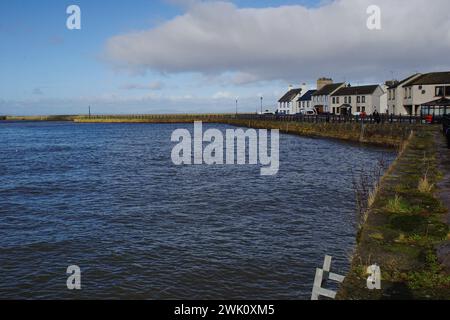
point(39, 52)
point(48, 69)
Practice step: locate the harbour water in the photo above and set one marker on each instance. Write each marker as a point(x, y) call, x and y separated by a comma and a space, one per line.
point(108, 198)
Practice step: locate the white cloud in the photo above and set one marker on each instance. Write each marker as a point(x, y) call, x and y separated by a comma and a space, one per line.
point(222, 95)
point(292, 42)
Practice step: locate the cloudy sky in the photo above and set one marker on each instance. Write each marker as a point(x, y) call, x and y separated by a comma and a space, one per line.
point(171, 56)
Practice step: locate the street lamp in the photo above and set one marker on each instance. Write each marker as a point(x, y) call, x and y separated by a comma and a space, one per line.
point(237, 106)
point(261, 104)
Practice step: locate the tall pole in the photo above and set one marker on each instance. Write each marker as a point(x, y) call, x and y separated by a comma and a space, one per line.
point(236, 106)
point(261, 104)
point(89, 112)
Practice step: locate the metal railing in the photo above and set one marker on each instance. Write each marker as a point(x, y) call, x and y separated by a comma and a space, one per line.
point(267, 117)
point(382, 118)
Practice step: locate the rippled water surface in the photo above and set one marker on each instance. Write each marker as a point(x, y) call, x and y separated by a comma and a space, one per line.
point(107, 197)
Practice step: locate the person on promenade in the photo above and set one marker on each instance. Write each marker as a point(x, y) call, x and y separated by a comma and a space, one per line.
point(377, 117)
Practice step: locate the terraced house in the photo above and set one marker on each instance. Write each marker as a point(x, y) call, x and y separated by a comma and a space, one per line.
point(305, 100)
point(349, 100)
point(395, 95)
point(289, 104)
point(321, 98)
point(429, 91)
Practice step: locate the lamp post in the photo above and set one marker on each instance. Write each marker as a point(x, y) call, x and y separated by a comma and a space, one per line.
point(261, 104)
point(237, 106)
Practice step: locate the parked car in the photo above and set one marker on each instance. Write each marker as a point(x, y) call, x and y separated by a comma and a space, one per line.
point(268, 112)
point(308, 112)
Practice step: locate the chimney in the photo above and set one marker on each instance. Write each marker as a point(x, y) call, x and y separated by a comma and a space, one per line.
point(391, 83)
point(304, 88)
point(290, 87)
point(322, 82)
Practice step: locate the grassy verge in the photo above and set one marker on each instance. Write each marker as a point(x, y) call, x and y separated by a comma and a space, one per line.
point(391, 135)
point(405, 224)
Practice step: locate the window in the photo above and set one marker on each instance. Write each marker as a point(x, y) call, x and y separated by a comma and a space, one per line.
point(334, 110)
point(363, 109)
point(337, 99)
point(363, 99)
point(358, 109)
point(439, 92)
point(338, 110)
point(334, 100)
point(406, 93)
point(447, 91)
point(345, 99)
point(349, 99)
point(358, 99)
point(409, 92)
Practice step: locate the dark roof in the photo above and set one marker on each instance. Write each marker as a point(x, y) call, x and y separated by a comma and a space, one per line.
point(307, 96)
point(442, 102)
point(432, 78)
point(404, 81)
point(290, 95)
point(328, 89)
point(351, 91)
